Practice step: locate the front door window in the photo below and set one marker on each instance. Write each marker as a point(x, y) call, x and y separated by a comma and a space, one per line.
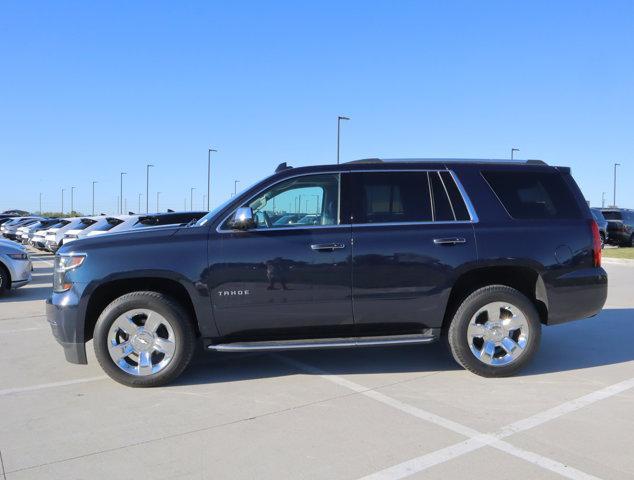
point(299, 202)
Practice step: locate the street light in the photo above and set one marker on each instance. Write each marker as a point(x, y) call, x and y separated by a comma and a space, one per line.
point(614, 188)
point(209, 150)
point(602, 199)
point(63, 190)
point(339, 118)
point(147, 190)
point(93, 197)
point(121, 193)
point(513, 150)
point(72, 198)
point(191, 198)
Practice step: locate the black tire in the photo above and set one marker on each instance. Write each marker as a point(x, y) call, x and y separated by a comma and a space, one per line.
point(179, 320)
point(602, 241)
point(5, 281)
point(457, 332)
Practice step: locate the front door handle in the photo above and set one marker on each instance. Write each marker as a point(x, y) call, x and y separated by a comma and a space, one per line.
point(449, 241)
point(327, 247)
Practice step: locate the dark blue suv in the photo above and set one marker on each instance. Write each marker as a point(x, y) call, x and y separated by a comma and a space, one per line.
point(376, 252)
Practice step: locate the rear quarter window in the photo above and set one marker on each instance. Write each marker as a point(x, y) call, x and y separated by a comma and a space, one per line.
point(533, 195)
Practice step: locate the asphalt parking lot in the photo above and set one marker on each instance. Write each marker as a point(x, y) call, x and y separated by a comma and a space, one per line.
point(375, 412)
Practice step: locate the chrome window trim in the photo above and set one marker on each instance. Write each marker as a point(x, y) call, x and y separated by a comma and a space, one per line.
point(444, 187)
point(463, 193)
point(465, 198)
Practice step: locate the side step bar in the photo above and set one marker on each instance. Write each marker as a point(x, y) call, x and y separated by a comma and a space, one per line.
point(305, 344)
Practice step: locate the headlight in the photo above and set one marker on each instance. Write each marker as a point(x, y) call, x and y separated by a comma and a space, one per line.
point(18, 256)
point(64, 264)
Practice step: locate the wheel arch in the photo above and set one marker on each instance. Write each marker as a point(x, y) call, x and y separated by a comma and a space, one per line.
point(6, 270)
point(525, 279)
point(108, 291)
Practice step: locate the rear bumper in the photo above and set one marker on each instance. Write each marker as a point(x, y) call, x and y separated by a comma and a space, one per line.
point(576, 295)
point(66, 318)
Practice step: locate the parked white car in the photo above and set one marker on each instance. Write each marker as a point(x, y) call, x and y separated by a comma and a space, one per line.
point(54, 236)
point(102, 225)
point(75, 232)
point(39, 239)
point(15, 266)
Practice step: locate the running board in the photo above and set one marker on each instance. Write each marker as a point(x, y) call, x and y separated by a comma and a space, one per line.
point(306, 344)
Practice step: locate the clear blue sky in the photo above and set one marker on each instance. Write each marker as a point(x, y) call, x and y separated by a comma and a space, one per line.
point(89, 89)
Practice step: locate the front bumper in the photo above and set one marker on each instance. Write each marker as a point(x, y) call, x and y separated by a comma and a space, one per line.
point(51, 246)
point(65, 315)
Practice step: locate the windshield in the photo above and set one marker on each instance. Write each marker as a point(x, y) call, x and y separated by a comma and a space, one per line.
point(613, 215)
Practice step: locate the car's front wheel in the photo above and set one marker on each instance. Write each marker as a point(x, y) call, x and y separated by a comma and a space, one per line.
point(144, 339)
point(495, 331)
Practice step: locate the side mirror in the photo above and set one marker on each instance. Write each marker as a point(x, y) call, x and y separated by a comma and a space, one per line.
point(243, 219)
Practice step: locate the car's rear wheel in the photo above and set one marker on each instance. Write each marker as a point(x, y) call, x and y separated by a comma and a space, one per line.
point(144, 339)
point(602, 240)
point(495, 331)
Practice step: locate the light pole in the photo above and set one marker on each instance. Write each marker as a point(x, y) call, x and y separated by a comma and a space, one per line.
point(72, 199)
point(614, 188)
point(147, 190)
point(209, 150)
point(513, 150)
point(191, 198)
point(93, 197)
point(157, 201)
point(63, 189)
point(121, 193)
point(602, 199)
point(140, 195)
point(339, 118)
point(235, 187)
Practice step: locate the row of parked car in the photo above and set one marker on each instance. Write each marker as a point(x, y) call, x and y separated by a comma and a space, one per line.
point(616, 226)
point(49, 234)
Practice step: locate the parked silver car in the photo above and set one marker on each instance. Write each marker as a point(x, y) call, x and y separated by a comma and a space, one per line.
point(15, 266)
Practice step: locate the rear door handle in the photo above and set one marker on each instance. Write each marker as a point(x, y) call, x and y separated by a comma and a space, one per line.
point(323, 247)
point(449, 241)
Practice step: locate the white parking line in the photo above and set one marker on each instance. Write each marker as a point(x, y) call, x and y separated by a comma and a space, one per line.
point(43, 386)
point(475, 439)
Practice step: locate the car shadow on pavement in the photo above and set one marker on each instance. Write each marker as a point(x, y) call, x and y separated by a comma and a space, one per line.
point(593, 342)
point(28, 293)
point(603, 340)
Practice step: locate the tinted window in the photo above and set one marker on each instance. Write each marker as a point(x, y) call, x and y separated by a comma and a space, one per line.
point(303, 201)
point(442, 206)
point(389, 197)
point(459, 207)
point(533, 195)
point(612, 215)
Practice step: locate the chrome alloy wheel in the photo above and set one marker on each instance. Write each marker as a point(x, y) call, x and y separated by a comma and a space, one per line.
point(141, 342)
point(498, 333)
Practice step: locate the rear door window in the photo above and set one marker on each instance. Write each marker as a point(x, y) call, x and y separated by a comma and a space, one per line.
point(533, 195)
point(391, 197)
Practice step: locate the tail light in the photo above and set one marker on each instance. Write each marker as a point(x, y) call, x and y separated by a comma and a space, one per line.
point(596, 243)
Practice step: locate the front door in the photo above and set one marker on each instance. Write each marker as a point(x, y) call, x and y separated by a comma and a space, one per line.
point(290, 277)
point(412, 234)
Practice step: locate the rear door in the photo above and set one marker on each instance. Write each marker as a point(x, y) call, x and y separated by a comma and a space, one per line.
point(412, 233)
